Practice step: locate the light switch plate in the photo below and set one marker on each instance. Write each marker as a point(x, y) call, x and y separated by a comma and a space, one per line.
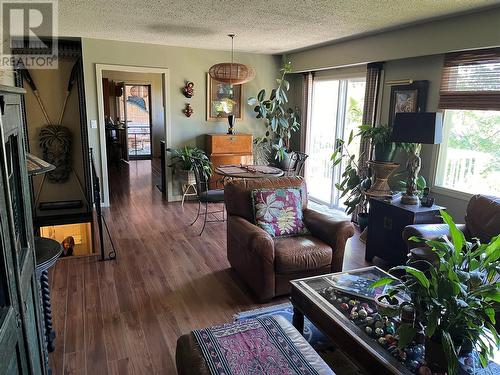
point(93, 124)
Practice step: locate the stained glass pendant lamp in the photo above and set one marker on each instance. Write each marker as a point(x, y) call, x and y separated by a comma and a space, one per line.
point(232, 73)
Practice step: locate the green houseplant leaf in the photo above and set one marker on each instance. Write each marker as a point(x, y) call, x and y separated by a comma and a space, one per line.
point(180, 159)
point(406, 334)
point(281, 119)
point(383, 281)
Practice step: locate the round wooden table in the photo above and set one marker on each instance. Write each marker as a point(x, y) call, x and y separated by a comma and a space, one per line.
point(248, 171)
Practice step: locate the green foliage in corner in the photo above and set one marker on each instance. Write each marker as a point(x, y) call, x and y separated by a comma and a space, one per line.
point(180, 159)
point(456, 298)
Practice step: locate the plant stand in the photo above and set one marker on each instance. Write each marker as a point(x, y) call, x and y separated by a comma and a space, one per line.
point(381, 173)
point(186, 192)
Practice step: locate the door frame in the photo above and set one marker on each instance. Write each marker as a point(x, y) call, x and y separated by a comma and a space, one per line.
point(340, 131)
point(151, 106)
point(165, 73)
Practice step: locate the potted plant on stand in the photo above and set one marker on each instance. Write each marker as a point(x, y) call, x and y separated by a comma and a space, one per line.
point(382, 164)
point(181, 163)
point(455, 299)
point(380, 136)
point(281, 121)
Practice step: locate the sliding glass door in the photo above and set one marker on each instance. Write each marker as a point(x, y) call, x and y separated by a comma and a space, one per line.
point(337, 108)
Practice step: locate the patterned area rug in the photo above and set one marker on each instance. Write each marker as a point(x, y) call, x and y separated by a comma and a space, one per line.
point(334, 357)
point(251, 346)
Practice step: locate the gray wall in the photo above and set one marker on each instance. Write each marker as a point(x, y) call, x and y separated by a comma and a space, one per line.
point(475, 30)
point(421, 68)
point(183, 64)
point(416, 53)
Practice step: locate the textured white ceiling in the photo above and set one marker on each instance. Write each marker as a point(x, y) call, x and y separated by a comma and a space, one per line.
point(264, 26)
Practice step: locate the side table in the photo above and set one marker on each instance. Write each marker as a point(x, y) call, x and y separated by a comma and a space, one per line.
point(386, 222)
point(47, 252)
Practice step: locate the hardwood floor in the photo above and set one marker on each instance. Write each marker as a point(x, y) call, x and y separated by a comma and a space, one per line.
point(124, 316)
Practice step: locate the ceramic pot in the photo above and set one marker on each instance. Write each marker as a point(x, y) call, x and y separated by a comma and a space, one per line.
point(386, 309)
point(385, 151)
point(287, 163)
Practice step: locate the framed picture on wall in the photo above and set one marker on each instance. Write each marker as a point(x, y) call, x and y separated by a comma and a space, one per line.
point(223, 100)
point(408, 98)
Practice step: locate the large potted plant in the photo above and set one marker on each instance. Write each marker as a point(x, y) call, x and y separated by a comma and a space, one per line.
point(455, 298)
point(380, 136)
point(180, 163)
point(352, 186)
point(280, 119)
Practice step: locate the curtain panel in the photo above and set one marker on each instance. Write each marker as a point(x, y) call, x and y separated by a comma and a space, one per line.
point(373, 71)
point(307, 94)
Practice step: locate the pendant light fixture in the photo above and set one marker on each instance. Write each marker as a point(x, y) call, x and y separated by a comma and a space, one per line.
point(232, 73)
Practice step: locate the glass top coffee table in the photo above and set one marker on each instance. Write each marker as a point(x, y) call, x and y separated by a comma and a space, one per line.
point(316, 298)
point(333, 303)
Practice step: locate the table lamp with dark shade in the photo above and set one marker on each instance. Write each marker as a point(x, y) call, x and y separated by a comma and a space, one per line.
point(416, 128)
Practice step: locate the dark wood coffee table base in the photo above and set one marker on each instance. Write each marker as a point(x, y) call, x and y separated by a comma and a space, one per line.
point(373, 360)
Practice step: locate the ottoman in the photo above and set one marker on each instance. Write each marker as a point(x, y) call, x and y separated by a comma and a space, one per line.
point(189, 358)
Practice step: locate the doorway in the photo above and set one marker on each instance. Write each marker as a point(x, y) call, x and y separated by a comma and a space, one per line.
point(134, 109)
point(133, 121)
point(337, 109)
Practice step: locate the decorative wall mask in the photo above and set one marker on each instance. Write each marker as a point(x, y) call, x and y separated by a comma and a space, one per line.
point(55, 141)
point(188, 111)
point(188, 90)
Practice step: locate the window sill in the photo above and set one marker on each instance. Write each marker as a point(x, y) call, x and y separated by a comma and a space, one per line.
point(451, 193)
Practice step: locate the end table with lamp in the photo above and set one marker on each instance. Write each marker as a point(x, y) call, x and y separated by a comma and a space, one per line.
point(415, 129)
point(387, 219)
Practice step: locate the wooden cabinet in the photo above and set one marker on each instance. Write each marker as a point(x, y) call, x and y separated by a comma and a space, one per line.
point(386, 222)
point(228, 149)
point(21, 335)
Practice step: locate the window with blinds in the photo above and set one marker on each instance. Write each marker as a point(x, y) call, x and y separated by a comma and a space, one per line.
point(471, 80)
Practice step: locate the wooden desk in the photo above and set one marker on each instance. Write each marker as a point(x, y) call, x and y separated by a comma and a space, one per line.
point(228, 149)
point(386, 222)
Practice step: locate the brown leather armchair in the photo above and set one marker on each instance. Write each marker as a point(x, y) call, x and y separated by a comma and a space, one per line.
point(267, 264)
point(482, 220)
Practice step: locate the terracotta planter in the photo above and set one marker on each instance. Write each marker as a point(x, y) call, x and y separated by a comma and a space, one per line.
point(381, 173)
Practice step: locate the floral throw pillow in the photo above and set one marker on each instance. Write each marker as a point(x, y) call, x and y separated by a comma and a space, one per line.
point(279, 211)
